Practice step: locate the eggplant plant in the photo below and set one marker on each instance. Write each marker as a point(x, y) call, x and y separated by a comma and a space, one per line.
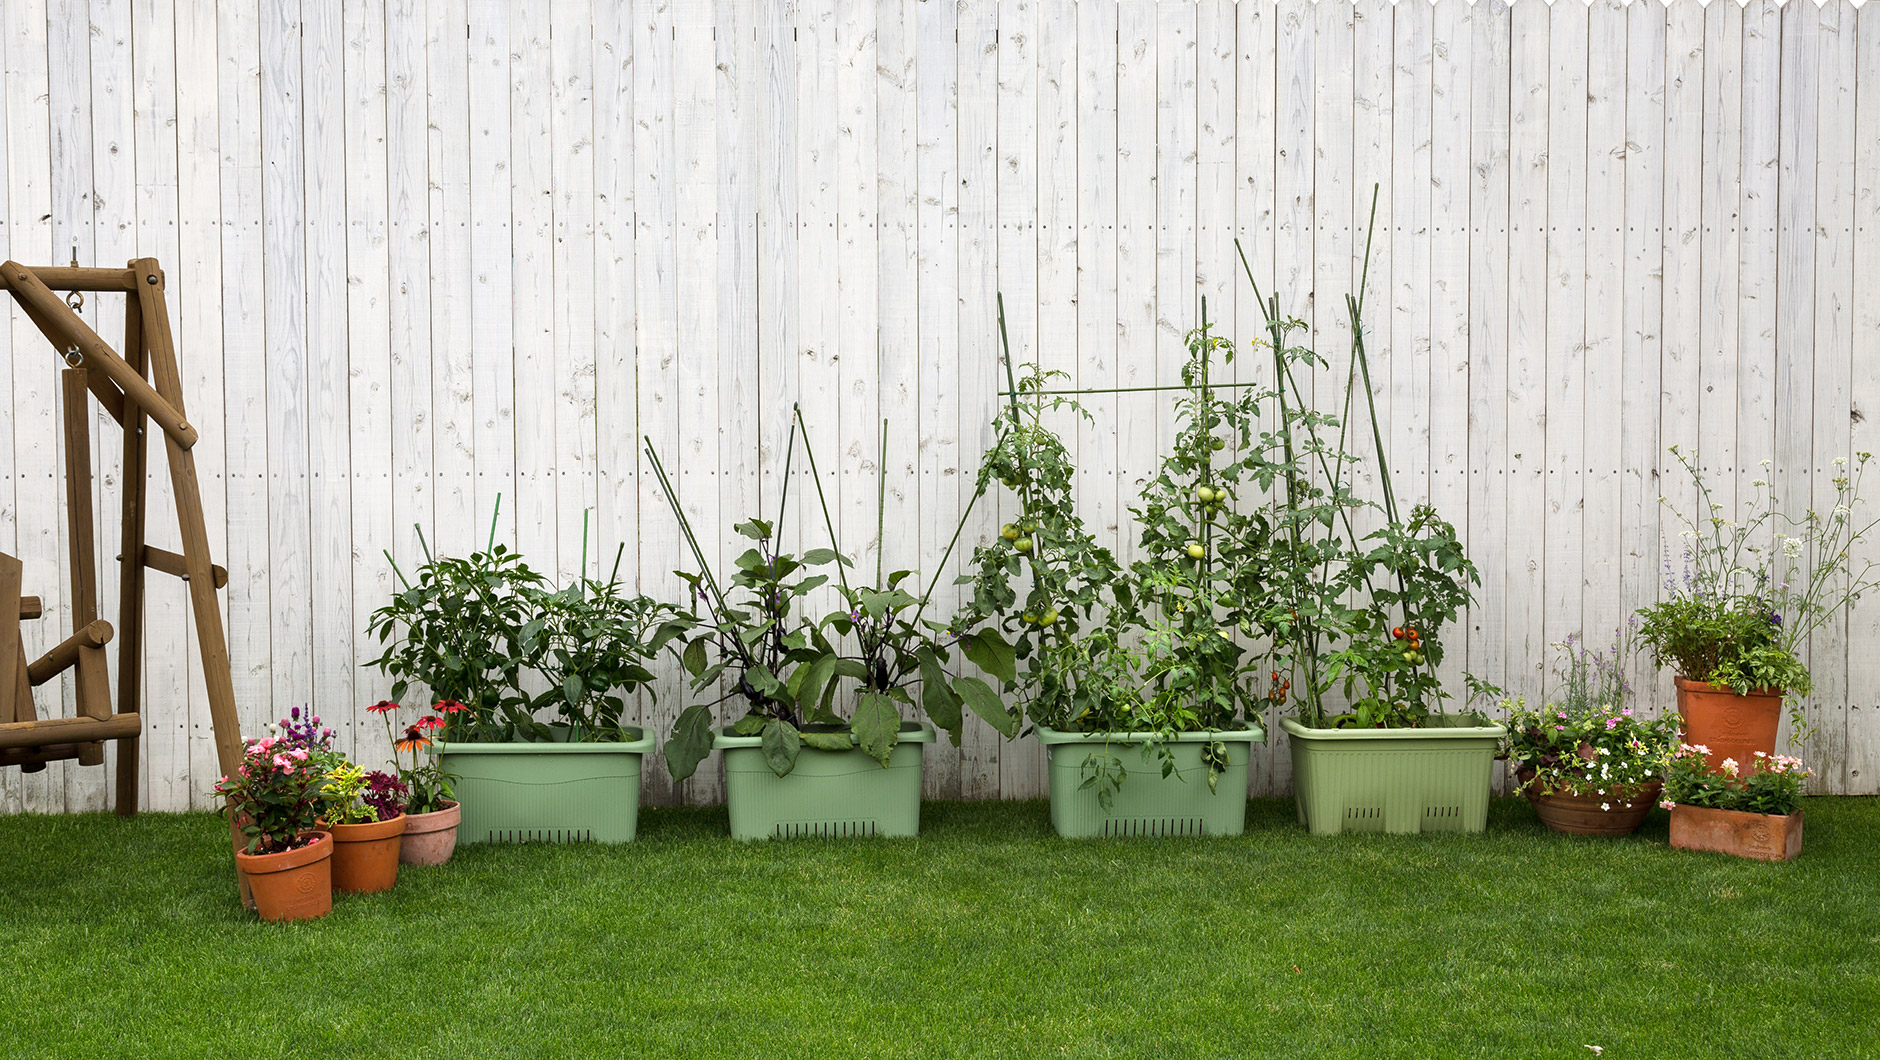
point(794, 675)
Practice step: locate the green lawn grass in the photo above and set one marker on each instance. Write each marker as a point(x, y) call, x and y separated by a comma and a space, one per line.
point(987, 936)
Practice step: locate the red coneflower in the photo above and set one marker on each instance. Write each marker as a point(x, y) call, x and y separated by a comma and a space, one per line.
point(448, 706)
point(413, 739)
point(383, 706)
point(429, 723)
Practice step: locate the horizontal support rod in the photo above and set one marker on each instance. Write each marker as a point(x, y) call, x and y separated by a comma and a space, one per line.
point(173, 564)
point(69, 730)
point(61, 325)
point(35, 758)
point(68, 278)
point(65, 653)
point(1123, 390)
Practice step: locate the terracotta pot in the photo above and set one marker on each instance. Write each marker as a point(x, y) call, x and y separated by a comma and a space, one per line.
point(430, 838)
point(294, 884)
point(1577, 814)
point(1762, 836)
point(1732, 726)
point(365, 856)
point(240, 843)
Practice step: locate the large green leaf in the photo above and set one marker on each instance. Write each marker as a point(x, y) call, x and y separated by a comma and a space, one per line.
point(690, 742)
point(991, 653)
point(937, 697)
point(986, 703)
point(828, 741)
point(694, 657)
point(748, 725)
point(781, 744)
point(877, 726)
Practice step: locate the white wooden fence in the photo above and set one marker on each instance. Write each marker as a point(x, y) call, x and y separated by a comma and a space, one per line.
point(423, 253)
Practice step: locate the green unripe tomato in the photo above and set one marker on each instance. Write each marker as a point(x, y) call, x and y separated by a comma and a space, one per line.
point(1221, 496)
point(1009, 532)
point(1196, 551)
point(1030, 619)
point(1050, 615)
point(1023, 544)
point(1010, 481)
point(1217, 443)
point(1204, 494)
point(1029, 526)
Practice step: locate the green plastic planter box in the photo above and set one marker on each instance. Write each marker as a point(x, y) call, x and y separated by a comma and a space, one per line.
point(548, 792)
point(1147, 803)
point(1433, 779)
point(828, 794)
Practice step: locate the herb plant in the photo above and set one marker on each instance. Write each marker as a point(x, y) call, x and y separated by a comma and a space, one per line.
point(1753, 591)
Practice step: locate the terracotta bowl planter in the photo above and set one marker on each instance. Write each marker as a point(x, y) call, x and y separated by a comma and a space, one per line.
point(430, 838)
point(365, 856)
point(294, 884)
point(1762, 836)
point(1732, 726)
point(1593, 814)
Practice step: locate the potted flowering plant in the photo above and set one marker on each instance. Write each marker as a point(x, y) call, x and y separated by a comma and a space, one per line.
point(1750, 810)
point(1588, 762)
point(274, 798)
point(479, 632)
point(1734, 628)
point(1134, 665)
point(794, 764)
point(366, 830)
point(431, 811)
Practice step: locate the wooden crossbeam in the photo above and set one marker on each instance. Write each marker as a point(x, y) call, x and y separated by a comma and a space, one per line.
point(63, 327)
point(162, 559)
point(68, 278)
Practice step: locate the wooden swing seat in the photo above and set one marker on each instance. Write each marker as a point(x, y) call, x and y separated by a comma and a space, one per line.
point(29, 741)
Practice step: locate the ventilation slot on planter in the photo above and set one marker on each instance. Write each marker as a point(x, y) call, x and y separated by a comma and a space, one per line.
point(1152, 826)
point(538, 835)
point(1441, 811)
point(824, 829)
point(1363, 813)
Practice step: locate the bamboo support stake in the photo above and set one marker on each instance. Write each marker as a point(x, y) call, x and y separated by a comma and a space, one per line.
point(63, 327)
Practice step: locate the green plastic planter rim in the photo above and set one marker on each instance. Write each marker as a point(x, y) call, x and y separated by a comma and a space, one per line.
point(640, 744)
point(1448, 728)
point(911, 732)
point(1049, 736)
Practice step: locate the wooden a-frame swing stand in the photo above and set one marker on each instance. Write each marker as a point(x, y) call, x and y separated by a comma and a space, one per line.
point(142, 384)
